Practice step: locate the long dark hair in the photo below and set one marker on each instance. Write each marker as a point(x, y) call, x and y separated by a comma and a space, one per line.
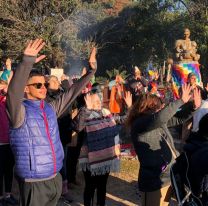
point(144, 105)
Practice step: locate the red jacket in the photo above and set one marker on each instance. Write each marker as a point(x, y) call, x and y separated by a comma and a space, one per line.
point(4, 122)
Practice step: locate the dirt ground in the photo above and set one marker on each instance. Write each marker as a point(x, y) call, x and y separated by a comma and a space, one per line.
point(121, 187)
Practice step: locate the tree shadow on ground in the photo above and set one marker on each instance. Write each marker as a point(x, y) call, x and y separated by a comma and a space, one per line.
point(119, 192)
point(122, 192)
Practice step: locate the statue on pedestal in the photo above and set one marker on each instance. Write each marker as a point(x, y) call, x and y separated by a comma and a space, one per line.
point(185, 64)
point(186, 50)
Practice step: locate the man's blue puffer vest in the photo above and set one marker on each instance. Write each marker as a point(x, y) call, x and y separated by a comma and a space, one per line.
point(36, 144)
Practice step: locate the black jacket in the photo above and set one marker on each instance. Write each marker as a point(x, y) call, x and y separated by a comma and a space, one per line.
point(150, 135)
point(64, 122)
point(196, 149)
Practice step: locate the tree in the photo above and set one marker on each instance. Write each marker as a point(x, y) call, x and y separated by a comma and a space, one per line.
point(21, 20)
point(63, 24)
point(197, 21)
point(141, 32)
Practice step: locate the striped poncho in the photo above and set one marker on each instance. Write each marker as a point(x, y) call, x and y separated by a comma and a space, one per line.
point(100, 153)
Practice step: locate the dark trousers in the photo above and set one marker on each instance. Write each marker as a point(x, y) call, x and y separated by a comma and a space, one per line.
point(43, 193)
point(72, 159)
point(98, 182)
point(6, 168)
point(63, 171)
point(71, 163)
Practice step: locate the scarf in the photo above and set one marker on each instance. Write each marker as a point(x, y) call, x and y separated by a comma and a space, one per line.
point(100, 153)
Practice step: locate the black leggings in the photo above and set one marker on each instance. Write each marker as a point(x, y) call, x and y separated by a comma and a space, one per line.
point(98, 182)
point(6, 168)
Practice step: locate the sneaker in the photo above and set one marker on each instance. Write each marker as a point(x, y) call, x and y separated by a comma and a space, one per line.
point(66, 202)
point(62, 203)
point(10, 200)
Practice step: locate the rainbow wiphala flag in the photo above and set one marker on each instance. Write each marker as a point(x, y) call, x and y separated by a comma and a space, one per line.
point(180, 73)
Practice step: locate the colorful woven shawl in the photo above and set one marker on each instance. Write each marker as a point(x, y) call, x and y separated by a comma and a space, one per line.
point(100, 153)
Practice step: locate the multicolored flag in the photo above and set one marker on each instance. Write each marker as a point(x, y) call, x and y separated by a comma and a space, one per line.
point(180, 74)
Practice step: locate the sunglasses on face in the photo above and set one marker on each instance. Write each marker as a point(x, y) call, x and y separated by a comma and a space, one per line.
point(39, 85)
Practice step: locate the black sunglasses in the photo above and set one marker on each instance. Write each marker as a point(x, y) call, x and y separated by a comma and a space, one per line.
point(39, 85)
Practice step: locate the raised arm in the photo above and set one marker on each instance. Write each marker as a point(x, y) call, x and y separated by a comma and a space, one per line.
point(15, 94)
point(162, 117)
point(167, 113)
point(62, 104)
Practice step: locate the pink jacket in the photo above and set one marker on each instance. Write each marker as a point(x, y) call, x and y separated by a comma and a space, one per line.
point(4, 122)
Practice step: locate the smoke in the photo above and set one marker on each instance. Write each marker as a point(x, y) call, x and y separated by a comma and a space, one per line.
point(77, 34)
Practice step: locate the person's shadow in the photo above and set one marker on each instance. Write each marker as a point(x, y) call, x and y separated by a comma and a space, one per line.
point(121, 192)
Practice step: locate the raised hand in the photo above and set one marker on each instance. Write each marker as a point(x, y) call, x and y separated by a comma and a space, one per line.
point(128, 99)
point(92, 59)
point(197, 98)
point(33, 48)
point(186, 89)
point(88, 101)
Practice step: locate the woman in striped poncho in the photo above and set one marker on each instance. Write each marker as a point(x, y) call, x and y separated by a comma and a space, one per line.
point(100, 153)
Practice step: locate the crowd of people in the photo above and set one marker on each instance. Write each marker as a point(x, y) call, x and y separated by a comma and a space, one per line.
point(49, 125)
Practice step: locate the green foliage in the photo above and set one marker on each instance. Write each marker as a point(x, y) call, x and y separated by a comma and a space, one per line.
point(143, 32)
point(101, 80)
point(75, 33)
point(61, 23)
point(146, 31)
point(113, 72)
point(22, 20)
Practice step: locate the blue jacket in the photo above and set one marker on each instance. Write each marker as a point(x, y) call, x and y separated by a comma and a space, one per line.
point(36, 144)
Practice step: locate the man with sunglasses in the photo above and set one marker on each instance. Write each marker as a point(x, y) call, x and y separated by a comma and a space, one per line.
point(34, 134)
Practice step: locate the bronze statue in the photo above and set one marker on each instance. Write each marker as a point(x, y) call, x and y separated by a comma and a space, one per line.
point(186, 50)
